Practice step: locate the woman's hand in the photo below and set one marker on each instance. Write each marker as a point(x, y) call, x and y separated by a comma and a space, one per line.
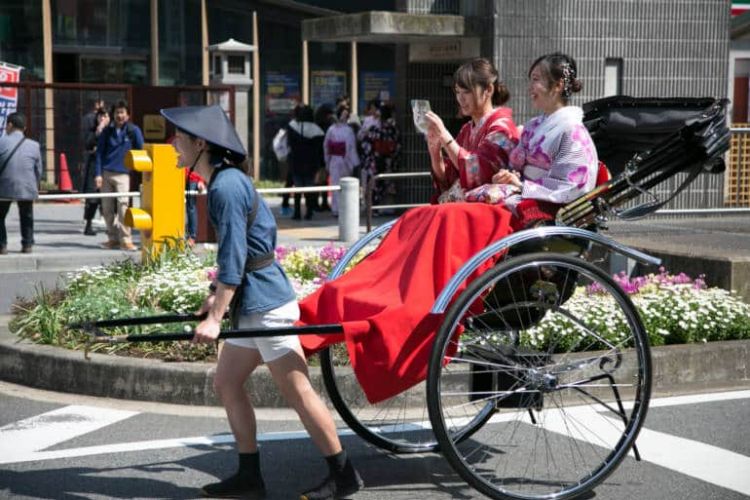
point(505, 176)
point(433, 142)
point(434, 124)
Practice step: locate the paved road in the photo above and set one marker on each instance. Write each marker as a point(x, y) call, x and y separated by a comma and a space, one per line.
point(64, 446)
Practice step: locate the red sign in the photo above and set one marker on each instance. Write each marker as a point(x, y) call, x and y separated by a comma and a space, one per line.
point(9, 74)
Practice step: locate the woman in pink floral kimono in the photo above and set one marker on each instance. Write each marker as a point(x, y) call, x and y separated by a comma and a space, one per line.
point(483, 145)
point(556, 160)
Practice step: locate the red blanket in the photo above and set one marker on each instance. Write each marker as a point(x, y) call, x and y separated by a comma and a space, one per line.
point(384, 302)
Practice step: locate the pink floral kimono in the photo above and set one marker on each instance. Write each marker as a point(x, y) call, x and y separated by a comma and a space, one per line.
point(556, 158)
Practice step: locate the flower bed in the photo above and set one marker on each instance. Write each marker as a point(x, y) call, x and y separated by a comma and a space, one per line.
point(674, 308)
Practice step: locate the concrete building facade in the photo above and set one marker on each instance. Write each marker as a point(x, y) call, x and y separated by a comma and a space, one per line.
point(642, 48)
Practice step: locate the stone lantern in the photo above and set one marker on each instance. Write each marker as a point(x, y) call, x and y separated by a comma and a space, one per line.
point(230, 65)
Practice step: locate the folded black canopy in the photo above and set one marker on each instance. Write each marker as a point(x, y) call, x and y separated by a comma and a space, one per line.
point(644, 142)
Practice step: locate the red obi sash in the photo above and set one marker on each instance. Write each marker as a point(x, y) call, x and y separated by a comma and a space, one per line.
point(336, 148)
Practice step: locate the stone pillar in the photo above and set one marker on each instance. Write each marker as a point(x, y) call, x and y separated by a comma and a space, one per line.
point(349, 209)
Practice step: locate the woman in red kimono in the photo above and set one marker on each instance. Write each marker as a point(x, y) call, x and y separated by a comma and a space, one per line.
point(384, 302)
point(484, 143)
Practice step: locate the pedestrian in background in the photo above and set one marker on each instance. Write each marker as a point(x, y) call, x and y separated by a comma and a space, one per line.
point(280, 147)
point(20, 173)
point(113, 177)
point(340, 151)
point(381, 147)
point(324, 118)
point(305, 140)
point(88, 185)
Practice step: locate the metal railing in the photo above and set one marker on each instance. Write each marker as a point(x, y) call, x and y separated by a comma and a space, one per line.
point(136, 194)
point(348, 221)
point(369, 207)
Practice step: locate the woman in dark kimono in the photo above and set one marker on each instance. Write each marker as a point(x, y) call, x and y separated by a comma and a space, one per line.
point(381, 149)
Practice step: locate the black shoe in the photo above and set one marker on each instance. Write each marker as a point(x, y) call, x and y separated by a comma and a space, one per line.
point(3, 251)
point(235, 487)
point(89, 231)
point(336, 486)
point(296, 216)
point(26, 249)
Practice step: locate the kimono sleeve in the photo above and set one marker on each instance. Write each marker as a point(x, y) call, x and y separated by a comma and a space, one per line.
point(326, 156)
point(352, 157)
point(572, 172)
point(477, 167)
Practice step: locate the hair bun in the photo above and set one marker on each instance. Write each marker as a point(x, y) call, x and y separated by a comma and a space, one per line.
point(501, 94)
point(575, 85)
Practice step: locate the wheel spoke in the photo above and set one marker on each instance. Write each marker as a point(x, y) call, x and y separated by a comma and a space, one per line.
point(556, 430)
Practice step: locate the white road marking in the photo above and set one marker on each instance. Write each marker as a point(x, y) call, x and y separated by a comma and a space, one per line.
point(107, 449)
point(702, 461)
point(37, 433)
point(699, 460)
point(698, 398)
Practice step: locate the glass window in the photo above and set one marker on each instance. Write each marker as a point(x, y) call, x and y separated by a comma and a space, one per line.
point(21, 39)
point(612, 76)
point(217, 65)
point(236, 65)
point(122, 24)
point(180, 55)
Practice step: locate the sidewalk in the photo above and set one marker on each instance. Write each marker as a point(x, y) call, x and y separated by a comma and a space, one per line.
point(58, 232)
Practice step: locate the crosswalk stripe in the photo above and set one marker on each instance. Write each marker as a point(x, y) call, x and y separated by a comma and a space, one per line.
point(43, 431)
point(702, 461)
point(154, 445)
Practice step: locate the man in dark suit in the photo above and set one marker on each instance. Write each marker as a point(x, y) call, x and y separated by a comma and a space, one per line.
point(20, 172)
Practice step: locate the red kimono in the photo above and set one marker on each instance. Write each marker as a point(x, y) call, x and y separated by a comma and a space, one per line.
point(384, 302)
point(483, 150)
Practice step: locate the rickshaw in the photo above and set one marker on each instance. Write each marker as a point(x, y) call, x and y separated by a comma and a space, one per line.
point(540, 373)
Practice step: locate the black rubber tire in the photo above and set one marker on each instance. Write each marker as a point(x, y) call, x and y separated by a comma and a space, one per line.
point(621, 441)
point(372, 434)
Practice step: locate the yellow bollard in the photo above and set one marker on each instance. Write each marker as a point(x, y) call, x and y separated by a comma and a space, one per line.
point(161, 218)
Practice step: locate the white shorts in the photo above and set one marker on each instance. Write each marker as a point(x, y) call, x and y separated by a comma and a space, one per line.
point(270, 348)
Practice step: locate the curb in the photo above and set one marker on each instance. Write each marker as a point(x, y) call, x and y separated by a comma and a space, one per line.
point(62, 262)
point(62, 370)
point(676, 369)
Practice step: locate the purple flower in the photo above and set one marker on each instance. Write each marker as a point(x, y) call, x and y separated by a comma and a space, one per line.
point(633, 285)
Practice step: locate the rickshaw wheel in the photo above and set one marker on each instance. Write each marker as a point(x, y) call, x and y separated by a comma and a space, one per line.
point(569, 377)
point(399, 424)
